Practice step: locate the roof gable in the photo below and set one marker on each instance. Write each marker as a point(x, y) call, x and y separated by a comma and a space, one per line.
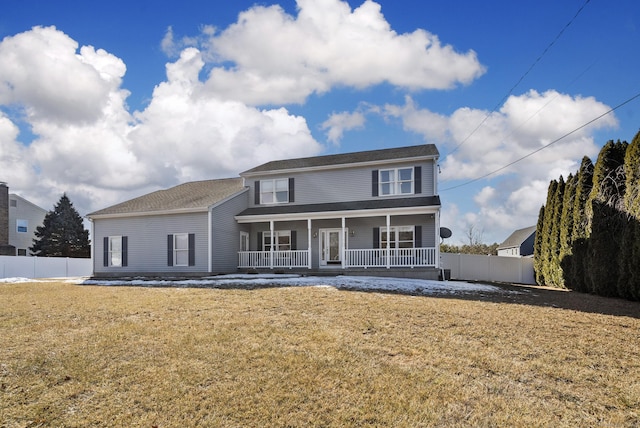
point(425, 150)
point(194, 195)
point(518, 237)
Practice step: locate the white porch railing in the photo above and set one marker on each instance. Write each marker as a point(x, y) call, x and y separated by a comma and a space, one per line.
point(396, 257)
point(365, 258)
point(281, 259)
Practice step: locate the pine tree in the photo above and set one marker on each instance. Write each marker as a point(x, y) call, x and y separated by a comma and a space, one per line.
point(62, 233)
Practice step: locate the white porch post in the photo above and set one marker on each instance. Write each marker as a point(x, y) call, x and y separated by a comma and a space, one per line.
point(309, 243)
point(344, 242)
point(272, 239)
point(437, 235)
point(388, 241)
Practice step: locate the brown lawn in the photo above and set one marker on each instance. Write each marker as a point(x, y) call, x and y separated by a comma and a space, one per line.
point(164, 357)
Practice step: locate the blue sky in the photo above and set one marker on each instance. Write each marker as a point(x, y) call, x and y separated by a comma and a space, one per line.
point(109, 100)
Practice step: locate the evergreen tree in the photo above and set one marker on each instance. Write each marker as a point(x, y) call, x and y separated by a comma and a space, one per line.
point(62, 233)
point(629, 273)
point(566, 228)
point(553, 266)
point(537, 248)
point(606, 218)
point(575, 265)
point(547, 225)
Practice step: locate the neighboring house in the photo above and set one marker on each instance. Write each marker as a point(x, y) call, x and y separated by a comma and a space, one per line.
point(372, 211)
point(519, 243)
point(19, 219)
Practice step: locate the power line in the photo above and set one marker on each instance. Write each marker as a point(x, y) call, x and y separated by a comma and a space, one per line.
point(526, 73)
point(545, 146)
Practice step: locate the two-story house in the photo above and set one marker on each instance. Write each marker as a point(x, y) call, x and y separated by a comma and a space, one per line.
point(374, 211)
point(19, 219)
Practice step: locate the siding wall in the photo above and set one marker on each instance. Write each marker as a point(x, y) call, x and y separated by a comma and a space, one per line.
point(343, 185)
point(226, 233)
point(147, 242)
point(24, 210)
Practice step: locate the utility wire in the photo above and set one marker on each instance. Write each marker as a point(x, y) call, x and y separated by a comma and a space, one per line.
point(526, 73)
point(545, 146)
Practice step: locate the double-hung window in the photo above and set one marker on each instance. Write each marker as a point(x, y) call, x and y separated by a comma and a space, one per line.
point(398, 237)
point(281, 241)
point(181, 249)
point(115, 251)
point(274, 191)
point(397, 181)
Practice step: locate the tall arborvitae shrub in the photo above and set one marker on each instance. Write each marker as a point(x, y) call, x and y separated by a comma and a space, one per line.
point(537, 248)
point(629, 280)
point(547, 225)
point(553, 273)
point(605, 216)
point(574, 266)
point(566, 228)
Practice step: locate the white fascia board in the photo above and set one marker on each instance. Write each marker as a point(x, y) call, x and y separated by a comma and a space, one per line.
point(337, 214)
point(150, 213)
point(338, 166)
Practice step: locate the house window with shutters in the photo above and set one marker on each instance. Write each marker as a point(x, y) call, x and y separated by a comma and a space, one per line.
point(181, 249)
point(397, 181)
point(281, 242)
point(115, 251)
point(398, 237)
point(276, 191)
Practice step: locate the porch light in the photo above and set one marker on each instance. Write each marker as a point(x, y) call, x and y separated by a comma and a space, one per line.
point(352, 233)
point(315, 234)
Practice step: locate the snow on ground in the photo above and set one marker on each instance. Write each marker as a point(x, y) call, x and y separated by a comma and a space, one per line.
point(365, 283)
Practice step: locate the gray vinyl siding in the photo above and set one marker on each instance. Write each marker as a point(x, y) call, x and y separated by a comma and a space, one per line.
point(147, 242)
point(344, 185)
point(24, 210)
point(226, 233)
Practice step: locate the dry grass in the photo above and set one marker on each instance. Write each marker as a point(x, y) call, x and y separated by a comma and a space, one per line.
point(118, 356)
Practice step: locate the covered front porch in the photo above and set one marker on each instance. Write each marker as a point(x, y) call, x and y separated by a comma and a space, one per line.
point(370, 239)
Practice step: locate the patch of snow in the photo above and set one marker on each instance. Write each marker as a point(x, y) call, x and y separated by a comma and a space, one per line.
point(365, 283)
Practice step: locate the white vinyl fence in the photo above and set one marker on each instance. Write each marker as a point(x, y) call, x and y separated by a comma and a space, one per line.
point(43, 267)
point(472, 267)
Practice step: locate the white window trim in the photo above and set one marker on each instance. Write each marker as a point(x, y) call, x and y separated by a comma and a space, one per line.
point(274, 192)
point(181, 251)
point(25, 224)
point(244, 241)
point(277, 233)
point(395, 183)
point(395, 233)
point(112, 252)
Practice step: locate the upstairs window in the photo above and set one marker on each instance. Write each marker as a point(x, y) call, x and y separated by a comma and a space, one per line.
point(276, 191)
point(22, 226)
point(397, 181)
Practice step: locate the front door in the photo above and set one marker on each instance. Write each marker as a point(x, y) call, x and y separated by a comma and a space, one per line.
point(331, 244)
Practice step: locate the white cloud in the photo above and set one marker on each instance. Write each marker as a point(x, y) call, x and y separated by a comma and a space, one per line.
point(524, 124)
point(325, 45)
point(340, 122)
point(87, 143)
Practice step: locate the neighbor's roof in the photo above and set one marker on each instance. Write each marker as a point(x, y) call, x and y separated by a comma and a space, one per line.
point(188, 196)
point(518, 237)
point(424, 150)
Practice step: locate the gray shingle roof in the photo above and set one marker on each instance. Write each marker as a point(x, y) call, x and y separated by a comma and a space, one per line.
point(192, 195)
point(424, 150)
point(517, 237)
